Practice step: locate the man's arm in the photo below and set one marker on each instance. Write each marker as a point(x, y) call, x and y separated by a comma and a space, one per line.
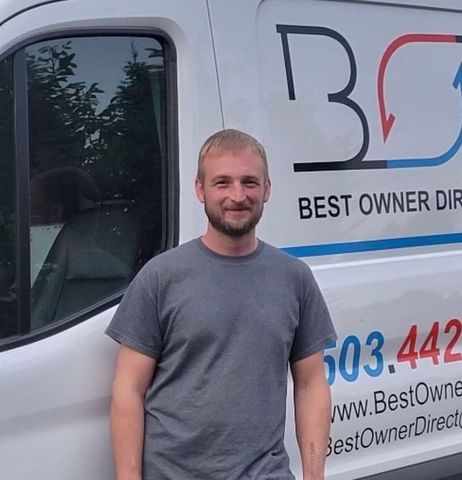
point(312, 413)
point(133, 375)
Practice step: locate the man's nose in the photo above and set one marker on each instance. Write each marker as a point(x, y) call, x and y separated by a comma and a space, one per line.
point(237, 192)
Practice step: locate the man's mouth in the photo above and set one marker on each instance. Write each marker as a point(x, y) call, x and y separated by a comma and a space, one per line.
point(237, 209)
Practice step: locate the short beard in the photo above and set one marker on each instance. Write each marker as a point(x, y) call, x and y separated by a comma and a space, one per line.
point(229, 229)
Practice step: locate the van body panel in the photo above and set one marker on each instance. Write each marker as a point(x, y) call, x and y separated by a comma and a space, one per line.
point(54, 405)
point(389, 269)
point(358, 105)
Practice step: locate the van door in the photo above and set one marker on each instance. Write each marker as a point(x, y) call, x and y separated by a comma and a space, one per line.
point(89, 191)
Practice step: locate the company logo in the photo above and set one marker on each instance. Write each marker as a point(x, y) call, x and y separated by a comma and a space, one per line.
point(387, 119)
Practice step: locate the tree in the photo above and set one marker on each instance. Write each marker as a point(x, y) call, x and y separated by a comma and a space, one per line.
point(62, 113)
point(130, 132)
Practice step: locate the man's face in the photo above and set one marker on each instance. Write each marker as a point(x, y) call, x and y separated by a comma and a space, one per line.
point(233, 190)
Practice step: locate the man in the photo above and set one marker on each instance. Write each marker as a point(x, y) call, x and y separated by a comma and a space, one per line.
point(207, 332)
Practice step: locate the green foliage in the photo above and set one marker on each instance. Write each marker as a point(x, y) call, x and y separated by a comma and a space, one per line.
point(63, 120)
point(120, 147)
point(130, 133)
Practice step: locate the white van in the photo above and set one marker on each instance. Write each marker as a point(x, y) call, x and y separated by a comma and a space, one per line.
point(103, 108)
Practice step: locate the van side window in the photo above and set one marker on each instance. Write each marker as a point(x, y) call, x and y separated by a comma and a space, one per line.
point(97, 109)
point(8, 299)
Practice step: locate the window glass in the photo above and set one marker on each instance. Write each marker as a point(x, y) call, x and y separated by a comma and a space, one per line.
point(97, 129)
point(8, 319)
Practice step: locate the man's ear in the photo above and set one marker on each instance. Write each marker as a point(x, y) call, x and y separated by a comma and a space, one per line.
point(199, 190)
point(266, 195)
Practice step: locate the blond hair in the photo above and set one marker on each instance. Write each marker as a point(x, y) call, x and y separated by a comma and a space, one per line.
point(233, 141)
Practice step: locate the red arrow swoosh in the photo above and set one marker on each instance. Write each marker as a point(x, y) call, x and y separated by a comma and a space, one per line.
point(388, 120)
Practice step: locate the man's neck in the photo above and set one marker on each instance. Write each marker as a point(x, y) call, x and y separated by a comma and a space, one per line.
point(227, 245)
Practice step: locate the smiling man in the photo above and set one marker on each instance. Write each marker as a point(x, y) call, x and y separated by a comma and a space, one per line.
point(208, 331)
point(233, 184)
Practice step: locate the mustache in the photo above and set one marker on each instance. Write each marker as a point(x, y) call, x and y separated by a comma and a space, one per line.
point(236, 205)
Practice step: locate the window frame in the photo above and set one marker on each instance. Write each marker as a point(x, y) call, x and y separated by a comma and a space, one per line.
point(170, 235)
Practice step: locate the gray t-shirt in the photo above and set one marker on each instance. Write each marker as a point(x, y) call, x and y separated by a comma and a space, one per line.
point(223, 330)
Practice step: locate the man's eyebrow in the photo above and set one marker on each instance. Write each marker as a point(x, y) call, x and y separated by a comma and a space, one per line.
point(251, 177)
point(228, 177)
point(220, 177)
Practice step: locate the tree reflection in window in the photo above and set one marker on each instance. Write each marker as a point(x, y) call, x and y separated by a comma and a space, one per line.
point(98, 105)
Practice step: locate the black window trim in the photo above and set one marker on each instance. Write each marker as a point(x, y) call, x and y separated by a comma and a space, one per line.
point(21, 135)
point(171, 212)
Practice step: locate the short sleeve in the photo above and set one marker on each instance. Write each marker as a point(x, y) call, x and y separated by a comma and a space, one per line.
point(315, 326)
point(136, 323)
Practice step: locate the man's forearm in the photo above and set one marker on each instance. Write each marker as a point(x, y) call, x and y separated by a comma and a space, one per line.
point(127, 431)
point(312, 418)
